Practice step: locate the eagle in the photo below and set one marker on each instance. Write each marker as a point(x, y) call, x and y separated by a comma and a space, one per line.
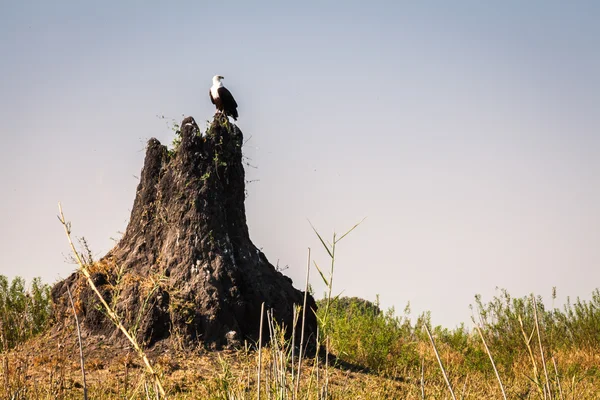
point(222, 98)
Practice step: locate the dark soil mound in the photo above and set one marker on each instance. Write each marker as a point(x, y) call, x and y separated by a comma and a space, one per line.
point(186, 268)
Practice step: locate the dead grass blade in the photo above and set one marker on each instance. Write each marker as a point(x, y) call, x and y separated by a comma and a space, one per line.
point(113, 316)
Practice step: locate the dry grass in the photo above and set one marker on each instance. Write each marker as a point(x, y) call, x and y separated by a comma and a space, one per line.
point(47, 367)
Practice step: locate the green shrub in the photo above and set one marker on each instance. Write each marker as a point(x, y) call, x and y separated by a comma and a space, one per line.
point(23, 313)
point(360, 333)
point(579, 324)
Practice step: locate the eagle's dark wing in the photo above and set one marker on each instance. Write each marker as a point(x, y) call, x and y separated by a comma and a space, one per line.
point(211, 98)
point(227, 98)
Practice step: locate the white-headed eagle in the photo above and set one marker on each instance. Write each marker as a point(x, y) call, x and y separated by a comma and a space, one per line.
point(222, 98)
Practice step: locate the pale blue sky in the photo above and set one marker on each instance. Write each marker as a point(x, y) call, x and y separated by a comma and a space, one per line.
point(468, 134)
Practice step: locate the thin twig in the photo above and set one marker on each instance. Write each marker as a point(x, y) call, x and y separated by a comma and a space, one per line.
point(440, 362)
point(81, 359)
point(113, 316)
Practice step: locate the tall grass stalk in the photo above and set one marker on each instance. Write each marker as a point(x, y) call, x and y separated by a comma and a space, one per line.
point(111, 313)
point(440, 362)
point(326, 368)
point(317, 360)
point(462, 395)
point(262, 313)
point(537, 328)
point(294, 320)
point(330, 248)
point(491, 360)
point(422, 378)
point(536, 378)
point(4, 355)
point(560, 392)
point(81, 359)
point(297, 386)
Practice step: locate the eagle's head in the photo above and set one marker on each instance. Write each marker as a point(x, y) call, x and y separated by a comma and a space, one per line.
point(217, 79)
